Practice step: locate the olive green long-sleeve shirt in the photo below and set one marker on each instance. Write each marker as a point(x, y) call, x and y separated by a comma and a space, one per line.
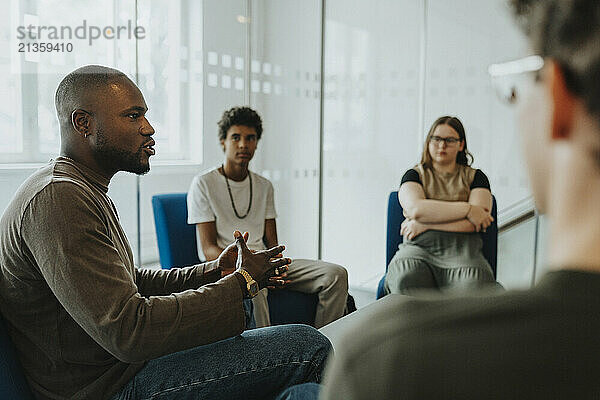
point(83, 318)
point(541, 343)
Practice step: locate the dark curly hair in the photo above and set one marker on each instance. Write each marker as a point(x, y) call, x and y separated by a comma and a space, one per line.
point(244, 116)
point(568, 31)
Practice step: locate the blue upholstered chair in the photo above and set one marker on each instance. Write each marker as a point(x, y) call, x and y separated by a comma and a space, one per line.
point(12, 381)
point(177, 248)
point(395, 217)
point(176, 238)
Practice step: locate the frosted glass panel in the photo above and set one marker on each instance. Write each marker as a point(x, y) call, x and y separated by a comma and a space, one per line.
point(224, 34)
point(371, 118)
point(204, 38)
point(286, 62)
point(28, 126)
point(170, 75)
point(463, 38)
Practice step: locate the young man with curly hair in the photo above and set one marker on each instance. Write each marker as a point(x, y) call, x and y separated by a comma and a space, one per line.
point(231, 197)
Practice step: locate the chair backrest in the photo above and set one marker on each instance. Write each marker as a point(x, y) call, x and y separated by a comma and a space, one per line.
point(490, 239)
point(176, 238)
point(12, 380)
point(395, 217)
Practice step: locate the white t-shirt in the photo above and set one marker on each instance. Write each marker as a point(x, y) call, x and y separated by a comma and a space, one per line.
point(208, 200)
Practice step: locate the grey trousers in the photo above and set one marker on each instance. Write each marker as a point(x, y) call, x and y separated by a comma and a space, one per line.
point(407, 275)
point(329, 281)
point(439, 260)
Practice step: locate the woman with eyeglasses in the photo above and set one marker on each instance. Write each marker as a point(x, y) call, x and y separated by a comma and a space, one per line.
point(444, 201)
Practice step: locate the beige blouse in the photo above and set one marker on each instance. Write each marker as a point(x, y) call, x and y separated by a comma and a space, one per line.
point(452, 186)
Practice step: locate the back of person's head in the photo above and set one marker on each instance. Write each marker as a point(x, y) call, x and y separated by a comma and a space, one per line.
point(463, 157)
point(80, 88)
point(568, 31)
point(244, 116)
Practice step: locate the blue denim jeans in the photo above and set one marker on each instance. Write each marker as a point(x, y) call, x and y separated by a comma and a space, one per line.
point(304, 391)
point(258, 364)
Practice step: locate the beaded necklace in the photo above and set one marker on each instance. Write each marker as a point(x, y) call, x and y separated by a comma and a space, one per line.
point(231, 196)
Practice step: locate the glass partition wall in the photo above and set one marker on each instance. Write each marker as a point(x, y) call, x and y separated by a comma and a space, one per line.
point(347, 90)
point(371, 123)
point(28, 126)
point(198, 70)
point(392, 68)
point(285, 89)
